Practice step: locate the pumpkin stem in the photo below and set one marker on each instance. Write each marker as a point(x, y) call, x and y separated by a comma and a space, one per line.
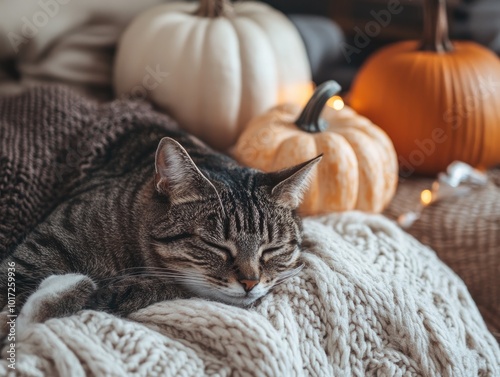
point(214, 8)
point(436, 36)
point(309, 120)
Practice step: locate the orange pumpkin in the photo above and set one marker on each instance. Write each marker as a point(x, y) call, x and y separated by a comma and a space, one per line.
point(437, 100)
point(359, 166)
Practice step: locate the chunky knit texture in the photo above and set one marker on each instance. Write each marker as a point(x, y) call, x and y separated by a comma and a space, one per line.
point(371, 301)
point(465, 233)
point(50, 139)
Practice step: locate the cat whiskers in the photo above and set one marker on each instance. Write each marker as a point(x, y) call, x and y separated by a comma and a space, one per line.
point(131, 271)
point(140, 269)
point(288, 274)
point(175, 277)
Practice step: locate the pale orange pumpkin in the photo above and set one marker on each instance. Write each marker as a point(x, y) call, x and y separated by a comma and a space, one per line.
point(438, 100)
point(359, 165)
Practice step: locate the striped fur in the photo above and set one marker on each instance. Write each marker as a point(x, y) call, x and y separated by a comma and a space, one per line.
point(193, 224)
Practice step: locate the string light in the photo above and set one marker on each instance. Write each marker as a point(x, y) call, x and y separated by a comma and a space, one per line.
point(426, 197)
point(458, 180)
point(336, 103)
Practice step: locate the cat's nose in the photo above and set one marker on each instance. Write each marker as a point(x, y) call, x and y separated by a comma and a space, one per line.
point(249, 284)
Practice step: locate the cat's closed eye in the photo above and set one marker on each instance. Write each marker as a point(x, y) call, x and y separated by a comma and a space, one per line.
point(270, 252)
point(224, 251)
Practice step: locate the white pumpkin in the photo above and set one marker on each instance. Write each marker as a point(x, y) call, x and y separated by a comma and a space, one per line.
point(213, 66)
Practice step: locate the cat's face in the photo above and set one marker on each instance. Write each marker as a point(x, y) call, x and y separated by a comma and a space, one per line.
point(229, 239)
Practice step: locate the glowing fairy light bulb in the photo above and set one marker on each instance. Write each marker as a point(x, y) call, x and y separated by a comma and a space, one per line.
point(426, 197)
point(336, 103)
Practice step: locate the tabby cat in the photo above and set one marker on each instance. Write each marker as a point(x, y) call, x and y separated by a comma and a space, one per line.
point(189, 222)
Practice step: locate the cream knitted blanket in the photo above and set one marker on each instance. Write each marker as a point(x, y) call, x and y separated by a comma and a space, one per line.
point(371, 301)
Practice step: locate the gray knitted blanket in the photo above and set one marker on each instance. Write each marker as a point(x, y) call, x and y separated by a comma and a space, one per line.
point(370, 301)
point(52, 138)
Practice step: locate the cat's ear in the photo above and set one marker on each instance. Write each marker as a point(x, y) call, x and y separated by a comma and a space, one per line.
point(177, 176)
point(292, 183)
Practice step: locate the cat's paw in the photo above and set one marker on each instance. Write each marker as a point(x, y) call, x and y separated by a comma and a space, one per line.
point(56, 296)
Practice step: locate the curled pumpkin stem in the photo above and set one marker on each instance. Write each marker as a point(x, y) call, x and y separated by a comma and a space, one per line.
point(310, 120)
point(214, 8)
point(436, 37)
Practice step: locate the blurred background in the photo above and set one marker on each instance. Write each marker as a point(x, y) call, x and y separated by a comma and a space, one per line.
point(74, 41)
point(477, 20)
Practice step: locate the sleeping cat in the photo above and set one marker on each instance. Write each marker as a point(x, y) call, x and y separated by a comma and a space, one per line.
point(186, 222)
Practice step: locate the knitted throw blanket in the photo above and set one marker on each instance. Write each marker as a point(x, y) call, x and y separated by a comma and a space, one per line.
point(370, 301)
point(51, 138)
point(465, 233)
